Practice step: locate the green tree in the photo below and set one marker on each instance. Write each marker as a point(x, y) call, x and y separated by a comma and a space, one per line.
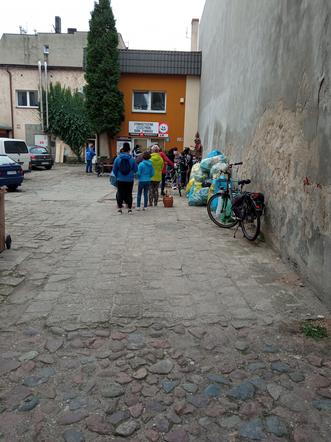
point(67, 117)
point(104, 100)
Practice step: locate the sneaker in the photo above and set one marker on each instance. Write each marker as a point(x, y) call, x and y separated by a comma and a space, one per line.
point(145, 208)
point(120, 211)
point(130, 211)
point(138, 208)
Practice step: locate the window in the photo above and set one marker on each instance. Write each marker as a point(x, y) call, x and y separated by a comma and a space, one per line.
point(14, 146)
point(27, 98)
point(146, 101)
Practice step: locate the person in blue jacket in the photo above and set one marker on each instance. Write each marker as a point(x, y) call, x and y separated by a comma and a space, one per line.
point(124, 169)
point(90, 153)
point(145, 173)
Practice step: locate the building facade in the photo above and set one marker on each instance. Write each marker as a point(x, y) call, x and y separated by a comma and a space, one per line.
point(160, 88)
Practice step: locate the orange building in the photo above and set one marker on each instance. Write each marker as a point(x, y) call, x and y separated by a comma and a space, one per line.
point(161, 98)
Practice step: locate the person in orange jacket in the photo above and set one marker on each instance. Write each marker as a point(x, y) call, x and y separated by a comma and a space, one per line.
point(166, 161)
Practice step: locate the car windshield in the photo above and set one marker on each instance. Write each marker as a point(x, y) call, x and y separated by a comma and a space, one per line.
point(6, 160)
point(38, 150)
point(14, 146)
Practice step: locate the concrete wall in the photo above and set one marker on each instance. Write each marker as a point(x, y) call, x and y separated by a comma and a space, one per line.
point(191, 110)
point(265, 97)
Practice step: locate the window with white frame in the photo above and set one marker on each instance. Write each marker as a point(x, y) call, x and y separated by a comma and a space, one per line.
point(27, 98)
point(149, 101)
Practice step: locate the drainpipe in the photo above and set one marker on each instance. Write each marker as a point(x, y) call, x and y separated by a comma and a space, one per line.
point(46, 93)
point(11, 101)
point(41, 97)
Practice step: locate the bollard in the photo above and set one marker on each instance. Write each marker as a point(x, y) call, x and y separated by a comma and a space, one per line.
point(2, 219)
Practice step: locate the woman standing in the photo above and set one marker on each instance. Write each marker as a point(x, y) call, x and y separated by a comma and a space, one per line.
point(157, 163)
point(145, 173)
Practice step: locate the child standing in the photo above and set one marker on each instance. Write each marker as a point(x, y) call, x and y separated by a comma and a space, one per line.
point(145, 173)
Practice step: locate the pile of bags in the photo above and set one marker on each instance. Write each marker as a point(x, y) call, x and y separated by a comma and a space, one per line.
point(206, 178)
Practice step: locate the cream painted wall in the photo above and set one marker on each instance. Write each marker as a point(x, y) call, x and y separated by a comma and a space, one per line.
point(191, 110)
point(5, 117)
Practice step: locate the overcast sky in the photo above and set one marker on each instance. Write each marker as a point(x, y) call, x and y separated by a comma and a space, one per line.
point(144, 24)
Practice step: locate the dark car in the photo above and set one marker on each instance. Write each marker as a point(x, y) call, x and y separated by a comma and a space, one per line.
point(40, 157)
point(11, 173)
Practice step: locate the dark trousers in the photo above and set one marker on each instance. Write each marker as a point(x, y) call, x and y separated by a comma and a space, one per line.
point(124, 193)
point(88, 166)
point(143, 186)
point(154, 193)
point(163, 183)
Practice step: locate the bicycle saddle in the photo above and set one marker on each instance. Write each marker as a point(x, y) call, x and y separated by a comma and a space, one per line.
point(242, 182)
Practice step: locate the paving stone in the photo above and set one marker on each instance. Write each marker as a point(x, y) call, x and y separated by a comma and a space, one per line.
point(259, 383)
point(29, 403)
point(198, 401)
point(197, 332)
point(190, 388)
point(281, 367)
point(98, 424)
point(242, 392)
point(72, 435)
point(77, 403)
point(28, 356)
point(123, 378)
point(169, 386)
point(152, 435)
point(119, 416)
point(162, 367)
point(252, 430)
point(7, 365)
point(241, 345)
point(296, 376)
point(230, 422)
point(255, 366)
point(160, 343)
point(324, 392)
point(212, 390)
point(111, 390)
point(322, 404)
point(274, 390)
point(52, 345)
point(219, 379)
point(137, 363)
point(177, 436)
point(140, 374)
point(161, 424)
point(149, 390)
point(136, 341)
point(314, 360)
point(127, 428)
point(179, 329)
point(136, 410)
point(269, 348)
point(46, 359)
point(275, 426)
point(251, 409)
point(68, 418)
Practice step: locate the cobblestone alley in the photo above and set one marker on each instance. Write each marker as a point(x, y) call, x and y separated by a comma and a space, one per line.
point(152, 327)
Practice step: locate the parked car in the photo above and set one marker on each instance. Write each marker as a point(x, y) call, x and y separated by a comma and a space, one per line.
point(11, 173)
point(40, 156)
point(17, 150)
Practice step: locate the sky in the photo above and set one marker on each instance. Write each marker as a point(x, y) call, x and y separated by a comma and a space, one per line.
point(144, 24)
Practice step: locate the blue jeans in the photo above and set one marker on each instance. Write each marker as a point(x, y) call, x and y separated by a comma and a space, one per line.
point(88, 166)
point(143, 186)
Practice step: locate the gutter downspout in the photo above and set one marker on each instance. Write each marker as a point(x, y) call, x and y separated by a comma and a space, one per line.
point(11, 100)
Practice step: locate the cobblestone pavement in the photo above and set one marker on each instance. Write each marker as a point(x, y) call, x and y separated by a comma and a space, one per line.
point(153, 327)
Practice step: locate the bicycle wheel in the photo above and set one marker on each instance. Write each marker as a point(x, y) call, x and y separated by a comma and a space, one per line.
point(251, 221)
point(219, 209)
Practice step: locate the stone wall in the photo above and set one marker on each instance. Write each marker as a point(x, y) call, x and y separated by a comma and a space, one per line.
point(265, 99)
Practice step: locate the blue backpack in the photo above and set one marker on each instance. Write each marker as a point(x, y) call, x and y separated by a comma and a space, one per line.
point(124, 166)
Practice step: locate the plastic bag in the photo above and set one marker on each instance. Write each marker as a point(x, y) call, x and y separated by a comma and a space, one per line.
point(197, 174)
point(213, 153)
point(199, 197)
point(217, 170)
point(113, 179)
point(208, 163)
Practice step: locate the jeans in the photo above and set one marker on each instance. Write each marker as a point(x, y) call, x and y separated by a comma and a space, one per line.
point(143, 186)
point(88, 166)
point(124, 193)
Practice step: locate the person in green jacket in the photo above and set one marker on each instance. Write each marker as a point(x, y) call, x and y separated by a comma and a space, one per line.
point(157, 163)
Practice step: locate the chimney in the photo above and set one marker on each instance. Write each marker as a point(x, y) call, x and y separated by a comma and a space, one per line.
point(72, 30)
point(194, 34)
point(57, 25)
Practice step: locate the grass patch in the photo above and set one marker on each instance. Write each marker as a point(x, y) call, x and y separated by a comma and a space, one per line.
point(314, 330)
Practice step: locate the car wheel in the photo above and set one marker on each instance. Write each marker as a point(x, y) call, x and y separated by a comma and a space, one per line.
point(48, 167)
point(12, 187)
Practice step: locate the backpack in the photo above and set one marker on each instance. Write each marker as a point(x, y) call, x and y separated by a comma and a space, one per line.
point(124, 166)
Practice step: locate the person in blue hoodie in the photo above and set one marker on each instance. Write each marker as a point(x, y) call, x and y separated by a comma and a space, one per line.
point(90, 153)
point(145, 173)
point(124, 169)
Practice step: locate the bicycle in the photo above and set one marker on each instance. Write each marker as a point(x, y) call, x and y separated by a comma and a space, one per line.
point(228, 208)
point(174, 179)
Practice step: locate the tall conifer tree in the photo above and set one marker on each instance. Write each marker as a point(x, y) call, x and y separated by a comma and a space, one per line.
point(103, 99)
